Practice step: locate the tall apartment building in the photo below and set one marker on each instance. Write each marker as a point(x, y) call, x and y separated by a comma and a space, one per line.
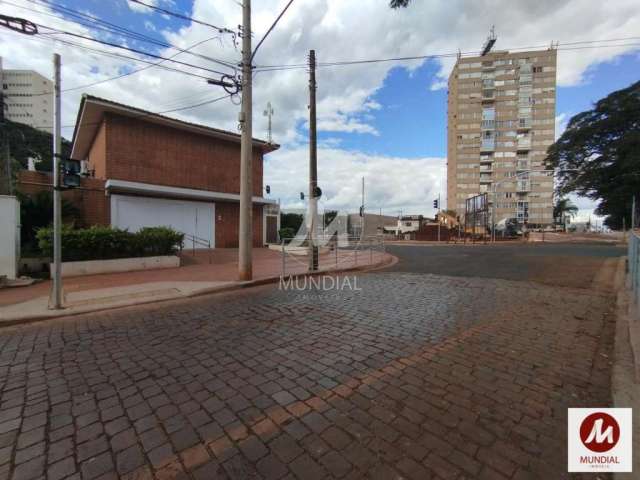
point(501, 120)
point(27, 98)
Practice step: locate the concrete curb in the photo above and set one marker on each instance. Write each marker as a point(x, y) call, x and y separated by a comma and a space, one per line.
point(625, 371)
point(236, 286)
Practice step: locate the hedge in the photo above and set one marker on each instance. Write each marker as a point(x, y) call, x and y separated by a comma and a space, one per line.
point(103, 243)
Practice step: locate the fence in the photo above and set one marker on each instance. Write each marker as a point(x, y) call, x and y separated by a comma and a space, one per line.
point(633, 259)
point(349, 252)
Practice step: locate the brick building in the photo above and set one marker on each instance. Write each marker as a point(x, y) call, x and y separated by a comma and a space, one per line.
point(145, 169)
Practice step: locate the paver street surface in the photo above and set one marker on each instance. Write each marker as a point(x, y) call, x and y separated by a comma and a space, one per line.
point(413, 375)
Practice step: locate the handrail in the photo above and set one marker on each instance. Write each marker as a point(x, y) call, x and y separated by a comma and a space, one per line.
point(195, 240)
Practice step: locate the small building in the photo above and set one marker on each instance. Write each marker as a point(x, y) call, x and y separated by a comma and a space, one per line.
point(374, 224)
point(143, 169)
point(406, 224)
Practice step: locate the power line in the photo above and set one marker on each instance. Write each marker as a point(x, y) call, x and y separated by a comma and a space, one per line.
point(95, 23)
point(148, 114)
point(433, 56)
point(135, 71)
point(273, 25)
point(114, 55)
point(184, 17)
point(131, 49)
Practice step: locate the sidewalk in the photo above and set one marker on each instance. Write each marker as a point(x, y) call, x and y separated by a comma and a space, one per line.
point(205, 272)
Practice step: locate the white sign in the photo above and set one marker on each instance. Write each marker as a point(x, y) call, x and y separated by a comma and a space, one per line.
point(600, 440)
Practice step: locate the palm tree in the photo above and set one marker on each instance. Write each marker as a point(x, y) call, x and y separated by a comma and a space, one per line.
point(565, 208)
point(399, 3)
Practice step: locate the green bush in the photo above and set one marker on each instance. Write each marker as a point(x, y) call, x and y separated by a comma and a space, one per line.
point(286, 233)
point(103, 243)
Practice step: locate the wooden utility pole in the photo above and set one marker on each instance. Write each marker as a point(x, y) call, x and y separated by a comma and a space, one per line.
point(245, 231)
point(313, 165)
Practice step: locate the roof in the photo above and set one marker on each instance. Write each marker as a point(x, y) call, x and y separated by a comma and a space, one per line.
point(92, 110)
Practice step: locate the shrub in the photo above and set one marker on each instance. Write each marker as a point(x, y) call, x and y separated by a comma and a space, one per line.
point(286, 233)
point(103, 243)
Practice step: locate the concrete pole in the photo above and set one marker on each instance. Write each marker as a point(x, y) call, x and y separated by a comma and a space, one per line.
point(362, 225)
point(313, 165)
point(245, 234)
point(439, 219)
point(57, 220)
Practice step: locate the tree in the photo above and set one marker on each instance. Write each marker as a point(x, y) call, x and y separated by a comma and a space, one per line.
point(564, 207)
point(291, 220)
point(36, 211)
point(598, 155)
point(25, 141)
point(399, 3)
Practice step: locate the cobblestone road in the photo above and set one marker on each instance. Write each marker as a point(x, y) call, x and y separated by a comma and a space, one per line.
point(415, 376)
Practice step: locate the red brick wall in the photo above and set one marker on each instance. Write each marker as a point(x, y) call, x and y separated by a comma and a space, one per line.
point(98, 153)
point(141, 151)
point(227, 225)
point(89, 199)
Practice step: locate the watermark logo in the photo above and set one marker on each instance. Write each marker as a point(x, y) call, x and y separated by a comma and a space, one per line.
point(320, 283)
point(600, 439)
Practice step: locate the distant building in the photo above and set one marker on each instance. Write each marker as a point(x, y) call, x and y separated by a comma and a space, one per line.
point(374, 224)
point(27, 98)
point(501, 120)
point(406, 224)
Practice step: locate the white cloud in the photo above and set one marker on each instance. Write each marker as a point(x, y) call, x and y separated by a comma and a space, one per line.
point(391, 183)
point(562, 119)
point(338, 30)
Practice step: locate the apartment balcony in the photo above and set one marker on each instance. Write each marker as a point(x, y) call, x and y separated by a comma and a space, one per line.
point(488, 146)
point(488, 95)
point(486, 168)
point(523, 186)
point(488, 124)
point(524, 123)
point(524, 144)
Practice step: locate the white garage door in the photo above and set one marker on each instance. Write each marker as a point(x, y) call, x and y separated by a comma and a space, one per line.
point(191, 218)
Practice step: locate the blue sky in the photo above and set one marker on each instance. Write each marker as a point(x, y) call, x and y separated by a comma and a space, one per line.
point(378, 120)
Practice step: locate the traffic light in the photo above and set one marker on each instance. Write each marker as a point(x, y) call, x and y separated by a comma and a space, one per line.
point(435, 204)
point(267, 189)
point(362, 210)
point(70, 172)
point(301, 196)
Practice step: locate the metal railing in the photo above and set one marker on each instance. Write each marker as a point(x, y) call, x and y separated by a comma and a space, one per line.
point(633, 259)
point(334, 255)
point(199, 241)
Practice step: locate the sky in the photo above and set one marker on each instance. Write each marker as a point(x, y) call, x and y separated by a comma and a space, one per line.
point(383, 121)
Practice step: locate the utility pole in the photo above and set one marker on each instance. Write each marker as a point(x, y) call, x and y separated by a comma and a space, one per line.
point(439, 219)
point(269, 113)
point(5, 148)
point(57, 220)
point(362, 234)
point(245, 233)
point(313, 164)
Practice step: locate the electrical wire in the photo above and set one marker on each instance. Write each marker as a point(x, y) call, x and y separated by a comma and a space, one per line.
point(273, 25)
point(131, 49)
point(434, 56)
point(94, 23)
point(149, 114)
point(184, 17)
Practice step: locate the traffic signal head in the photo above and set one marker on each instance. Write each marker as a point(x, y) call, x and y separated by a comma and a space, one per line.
point(435, 204)
point(70, 170)
point(301, 196)
point(267, 189)
point(362, 210)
